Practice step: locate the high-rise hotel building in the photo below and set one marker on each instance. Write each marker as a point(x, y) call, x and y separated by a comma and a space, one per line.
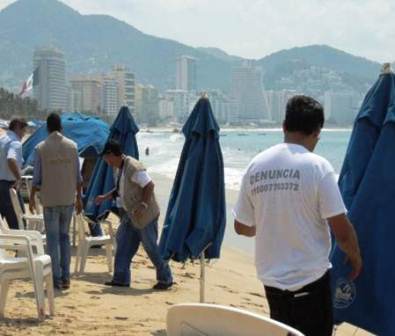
point(186, 77)
point(49, 87)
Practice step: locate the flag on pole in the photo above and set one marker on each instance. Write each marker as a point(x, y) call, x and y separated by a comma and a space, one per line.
point(29, 83)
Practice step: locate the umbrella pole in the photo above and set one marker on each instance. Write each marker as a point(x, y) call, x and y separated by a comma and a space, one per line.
point(202, 278)
point(203, 275)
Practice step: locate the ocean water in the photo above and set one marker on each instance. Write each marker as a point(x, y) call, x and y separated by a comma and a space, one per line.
point(238, 148)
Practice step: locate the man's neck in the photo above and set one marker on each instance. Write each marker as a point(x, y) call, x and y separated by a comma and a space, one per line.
point(297, 139)
point(121, 161)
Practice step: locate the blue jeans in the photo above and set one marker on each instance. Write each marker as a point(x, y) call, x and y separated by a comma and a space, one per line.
point(57, 223)
point(95, 229)
point(128, 241)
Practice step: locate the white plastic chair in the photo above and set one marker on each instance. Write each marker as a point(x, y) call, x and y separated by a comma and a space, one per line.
point(33, 222)
point(192, 319)
point(85, 242)
point(35, 236)
point(28, 181)
point(37, 267)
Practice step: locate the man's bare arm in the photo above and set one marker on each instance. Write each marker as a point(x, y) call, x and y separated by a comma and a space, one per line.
point(244, 230)
point(347, 240)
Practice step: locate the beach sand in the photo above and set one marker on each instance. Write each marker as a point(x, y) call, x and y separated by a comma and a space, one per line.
point(90, 308)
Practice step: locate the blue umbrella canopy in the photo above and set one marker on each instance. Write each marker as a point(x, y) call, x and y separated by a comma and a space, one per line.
point(196, 215)
point(102, 181)
point(90, 134)
point(367, 182)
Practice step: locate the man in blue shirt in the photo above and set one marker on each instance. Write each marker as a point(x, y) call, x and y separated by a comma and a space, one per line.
point(11, 161)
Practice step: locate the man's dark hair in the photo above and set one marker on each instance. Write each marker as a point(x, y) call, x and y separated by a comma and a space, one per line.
point(17, 123)
point(54, 123)
point(112, 147)
point(303, 114)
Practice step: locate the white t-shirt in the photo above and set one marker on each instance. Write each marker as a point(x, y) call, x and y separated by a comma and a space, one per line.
point(287, 192)
point(140, 177)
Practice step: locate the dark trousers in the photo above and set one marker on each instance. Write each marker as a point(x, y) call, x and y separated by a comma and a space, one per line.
point(308, 309)
point(6, 208)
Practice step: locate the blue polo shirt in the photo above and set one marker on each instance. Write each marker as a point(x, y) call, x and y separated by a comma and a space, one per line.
point(10, 148)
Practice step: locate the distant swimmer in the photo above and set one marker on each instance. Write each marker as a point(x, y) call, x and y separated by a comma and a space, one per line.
point(147, 151)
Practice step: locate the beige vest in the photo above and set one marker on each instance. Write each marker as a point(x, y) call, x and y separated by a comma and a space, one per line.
point(59, 170)
point(133, 195)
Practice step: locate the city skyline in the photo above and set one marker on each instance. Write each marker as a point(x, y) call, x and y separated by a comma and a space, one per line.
point(256, 28)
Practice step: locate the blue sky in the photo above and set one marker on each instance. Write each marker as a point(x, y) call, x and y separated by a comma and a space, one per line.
point(255, 28)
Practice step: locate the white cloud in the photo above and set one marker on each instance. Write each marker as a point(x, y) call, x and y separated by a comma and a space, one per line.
point(255, 28)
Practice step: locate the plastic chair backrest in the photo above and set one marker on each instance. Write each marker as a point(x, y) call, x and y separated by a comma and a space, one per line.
point(17, 208)
point(216, 320)
point(81, 227)
point(4, 228)
point(29, 183)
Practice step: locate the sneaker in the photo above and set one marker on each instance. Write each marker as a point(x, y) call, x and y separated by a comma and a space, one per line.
point(162, 286)
point(115, 284)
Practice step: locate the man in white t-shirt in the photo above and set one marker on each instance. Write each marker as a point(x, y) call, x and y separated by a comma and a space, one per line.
point(287, 199)
point(139, 214)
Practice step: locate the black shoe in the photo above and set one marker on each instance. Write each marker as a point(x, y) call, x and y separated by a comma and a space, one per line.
point(65, 284)
point(162, 286)
point(115, 284)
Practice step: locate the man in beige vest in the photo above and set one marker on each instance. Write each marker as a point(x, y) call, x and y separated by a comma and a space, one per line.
point(139, 212)
point(57, 177)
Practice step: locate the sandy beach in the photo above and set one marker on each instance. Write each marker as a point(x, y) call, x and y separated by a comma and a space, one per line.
point(90, 308)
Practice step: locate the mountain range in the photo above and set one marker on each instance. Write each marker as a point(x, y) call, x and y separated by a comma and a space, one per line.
point(94, 43)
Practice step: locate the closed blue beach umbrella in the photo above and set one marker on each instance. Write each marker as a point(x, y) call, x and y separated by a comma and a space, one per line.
point(195, 218)
point(367, 182)
point(102, 181)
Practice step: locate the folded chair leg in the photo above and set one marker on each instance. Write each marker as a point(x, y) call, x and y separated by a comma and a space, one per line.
point(77, 258)
point(3, 296)
point(50, 293)
point(84, 256)
point(109, 257)
point(39, 292)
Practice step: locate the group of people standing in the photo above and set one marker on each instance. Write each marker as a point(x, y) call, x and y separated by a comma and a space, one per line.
point(289, 200)
point(57, 177)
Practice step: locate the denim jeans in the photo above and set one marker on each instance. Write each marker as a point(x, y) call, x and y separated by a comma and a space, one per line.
point(128, 241)
point(95, 229)
point(6, 208)
point(57, 223)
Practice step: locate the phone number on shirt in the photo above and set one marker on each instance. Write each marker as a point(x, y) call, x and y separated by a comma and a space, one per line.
point(275, 187)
